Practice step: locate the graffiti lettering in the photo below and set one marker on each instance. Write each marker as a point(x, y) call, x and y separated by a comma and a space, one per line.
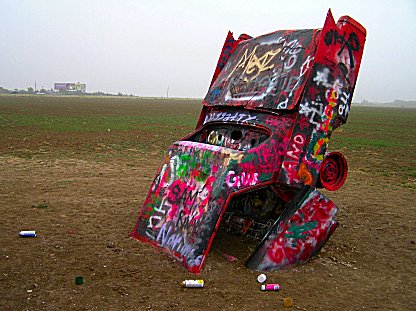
point(242, 87)
point(176, 241)
point(266, 72)
point(291, 48)
point(293, 156)
point(331, 96)
point(252, 63)
point(235, 137)
point(176, 191)
point(229, 117)
point(352, 43)
point(306, 65)
point(198, 145)
point(298, 142)
point(243, 180)
point(313, 110)
point(344, 108)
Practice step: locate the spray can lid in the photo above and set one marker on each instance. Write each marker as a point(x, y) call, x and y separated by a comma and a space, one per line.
point(261, 278)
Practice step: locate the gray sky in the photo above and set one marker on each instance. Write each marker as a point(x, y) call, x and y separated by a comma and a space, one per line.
point(145, 46)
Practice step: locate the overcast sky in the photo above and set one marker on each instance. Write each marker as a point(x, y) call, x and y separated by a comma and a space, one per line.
point(143, 47)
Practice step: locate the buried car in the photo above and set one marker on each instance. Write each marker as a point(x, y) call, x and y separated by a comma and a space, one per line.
point(259, 152)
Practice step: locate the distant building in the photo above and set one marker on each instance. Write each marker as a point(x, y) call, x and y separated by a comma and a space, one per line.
point(70, 88)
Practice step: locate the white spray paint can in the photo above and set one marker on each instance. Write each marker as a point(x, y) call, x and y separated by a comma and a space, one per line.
point(28, 234)
point(193, 283)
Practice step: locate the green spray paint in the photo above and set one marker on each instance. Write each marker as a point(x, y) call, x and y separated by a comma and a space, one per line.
point(296, 232)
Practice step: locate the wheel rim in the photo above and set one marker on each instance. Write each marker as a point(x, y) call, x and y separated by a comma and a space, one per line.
point(333, 171)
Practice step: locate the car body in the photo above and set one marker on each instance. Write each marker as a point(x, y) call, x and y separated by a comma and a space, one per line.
point(259, 151)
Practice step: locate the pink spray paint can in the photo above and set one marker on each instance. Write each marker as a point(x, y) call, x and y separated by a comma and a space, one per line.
point(270, 287)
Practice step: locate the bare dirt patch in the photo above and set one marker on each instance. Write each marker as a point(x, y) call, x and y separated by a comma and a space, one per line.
point(83, 207)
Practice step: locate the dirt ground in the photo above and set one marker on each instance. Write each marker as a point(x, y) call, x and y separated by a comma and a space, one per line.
point(83, 208)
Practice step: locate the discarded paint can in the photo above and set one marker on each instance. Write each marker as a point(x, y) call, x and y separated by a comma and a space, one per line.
point(193, 283)
point(79, 280)
point(270, 287)
point(28, 234)
point(261, 278)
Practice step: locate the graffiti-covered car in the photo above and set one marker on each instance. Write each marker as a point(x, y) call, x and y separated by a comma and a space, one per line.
point(259, 152)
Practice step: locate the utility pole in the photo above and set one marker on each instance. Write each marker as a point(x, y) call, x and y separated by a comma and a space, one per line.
point(167, 93)
point(35, 86)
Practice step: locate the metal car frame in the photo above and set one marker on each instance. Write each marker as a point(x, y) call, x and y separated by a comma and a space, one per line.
point(260, 149)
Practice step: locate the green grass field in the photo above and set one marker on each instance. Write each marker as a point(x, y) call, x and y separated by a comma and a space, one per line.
point(95, 114)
